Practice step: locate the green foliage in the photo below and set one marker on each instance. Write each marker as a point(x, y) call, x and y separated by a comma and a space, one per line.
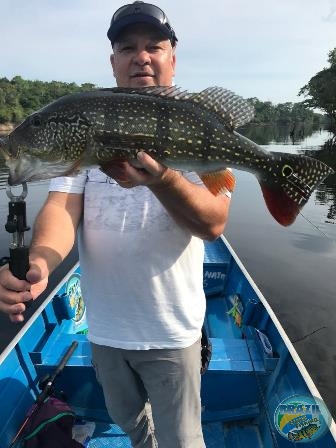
point(283, 113)
point(332, 57)
point(19, 97)
point(322, 88)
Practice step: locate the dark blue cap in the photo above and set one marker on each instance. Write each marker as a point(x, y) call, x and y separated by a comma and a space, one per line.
point(140, 12)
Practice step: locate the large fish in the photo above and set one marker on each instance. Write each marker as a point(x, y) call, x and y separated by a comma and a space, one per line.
point(185, 131)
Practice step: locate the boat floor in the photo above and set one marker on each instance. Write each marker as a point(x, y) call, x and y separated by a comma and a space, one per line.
point(216, 435)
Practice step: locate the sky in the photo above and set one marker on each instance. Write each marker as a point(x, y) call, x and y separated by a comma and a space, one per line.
point(267, 49)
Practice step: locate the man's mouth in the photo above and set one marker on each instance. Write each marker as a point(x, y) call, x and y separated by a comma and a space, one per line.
point(142, 75)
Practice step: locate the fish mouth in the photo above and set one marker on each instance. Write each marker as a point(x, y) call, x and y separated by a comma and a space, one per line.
point(20, 171)
point(32, 169)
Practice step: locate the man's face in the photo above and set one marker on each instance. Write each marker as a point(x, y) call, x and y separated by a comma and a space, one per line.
point(143, 57)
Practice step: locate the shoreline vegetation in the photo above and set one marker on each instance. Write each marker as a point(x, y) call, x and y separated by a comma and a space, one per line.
point(19, 98)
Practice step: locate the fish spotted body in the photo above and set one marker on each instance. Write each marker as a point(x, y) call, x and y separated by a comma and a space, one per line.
point(182, 130)
point(304, 433)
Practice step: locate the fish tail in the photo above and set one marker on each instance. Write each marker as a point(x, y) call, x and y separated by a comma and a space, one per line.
point(299, 177)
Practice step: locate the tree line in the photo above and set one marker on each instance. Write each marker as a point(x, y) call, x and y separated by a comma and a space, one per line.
point(19, 98)
point(284, 113)
point(320, 91)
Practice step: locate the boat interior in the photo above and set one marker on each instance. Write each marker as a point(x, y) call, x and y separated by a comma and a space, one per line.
point(251, 370)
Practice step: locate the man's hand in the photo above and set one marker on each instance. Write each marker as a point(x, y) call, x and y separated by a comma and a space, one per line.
point(192, 206)
point(146, 171)
point(15, 293)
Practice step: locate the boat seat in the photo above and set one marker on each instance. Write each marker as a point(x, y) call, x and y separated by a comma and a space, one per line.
point(215, 268)
point(78, 380)
point(234, 355)
point(56, 346)
point(240, 367)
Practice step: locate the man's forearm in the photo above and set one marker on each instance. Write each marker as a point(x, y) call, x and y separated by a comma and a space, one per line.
point(55, 229)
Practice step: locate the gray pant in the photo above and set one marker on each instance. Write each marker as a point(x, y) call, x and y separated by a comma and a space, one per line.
point(164, 382)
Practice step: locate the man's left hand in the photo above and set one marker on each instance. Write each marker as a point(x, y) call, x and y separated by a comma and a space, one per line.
point(146, 172)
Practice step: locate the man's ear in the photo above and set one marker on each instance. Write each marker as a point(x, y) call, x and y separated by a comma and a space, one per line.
point(174, 62)
point(112, 62)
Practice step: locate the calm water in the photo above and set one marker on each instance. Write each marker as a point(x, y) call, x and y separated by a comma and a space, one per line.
point(295, 267)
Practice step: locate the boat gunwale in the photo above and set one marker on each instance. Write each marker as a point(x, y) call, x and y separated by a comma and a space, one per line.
point(294, 354)
point(36, 314)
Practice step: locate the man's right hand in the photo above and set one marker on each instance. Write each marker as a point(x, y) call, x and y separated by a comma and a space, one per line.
point(15, 293)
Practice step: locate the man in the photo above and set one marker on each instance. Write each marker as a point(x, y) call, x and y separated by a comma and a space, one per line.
point(141, 253)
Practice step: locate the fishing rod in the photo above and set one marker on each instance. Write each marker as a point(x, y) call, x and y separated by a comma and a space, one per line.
point(16, 225)
point(47, 390)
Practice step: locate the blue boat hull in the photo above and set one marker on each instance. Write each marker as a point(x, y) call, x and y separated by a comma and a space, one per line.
point(253, 368)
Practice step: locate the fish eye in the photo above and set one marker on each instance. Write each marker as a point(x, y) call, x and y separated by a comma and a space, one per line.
point(36, 120)
point(287, 170)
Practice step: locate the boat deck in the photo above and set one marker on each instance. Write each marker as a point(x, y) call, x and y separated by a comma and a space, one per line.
point(250, 372)
point(215, 435)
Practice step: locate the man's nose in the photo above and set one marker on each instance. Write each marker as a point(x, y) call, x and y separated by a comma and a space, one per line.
point(142, 57)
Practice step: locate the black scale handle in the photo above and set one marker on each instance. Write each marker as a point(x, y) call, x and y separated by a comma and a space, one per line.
point(19, 261)
point(18, 252)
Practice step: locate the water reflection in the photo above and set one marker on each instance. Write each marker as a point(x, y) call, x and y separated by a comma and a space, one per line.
point(326, 192)
point(318, 244)
point(307, 140)
point(291, 134)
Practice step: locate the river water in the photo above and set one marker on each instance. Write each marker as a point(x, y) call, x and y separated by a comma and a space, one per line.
point(295, 266)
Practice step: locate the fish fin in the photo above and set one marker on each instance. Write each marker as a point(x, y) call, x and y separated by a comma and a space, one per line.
point(300, 177)
point(283, 209)
point(164, 91)
point(232, 108)
point(219, 182)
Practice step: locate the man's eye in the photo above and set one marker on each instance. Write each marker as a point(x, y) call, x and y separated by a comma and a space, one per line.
point(126, 48)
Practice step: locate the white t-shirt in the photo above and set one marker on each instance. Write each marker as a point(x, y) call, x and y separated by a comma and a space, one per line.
point(142, 274)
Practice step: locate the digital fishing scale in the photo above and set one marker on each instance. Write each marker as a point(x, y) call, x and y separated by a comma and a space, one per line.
point(16, 225)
